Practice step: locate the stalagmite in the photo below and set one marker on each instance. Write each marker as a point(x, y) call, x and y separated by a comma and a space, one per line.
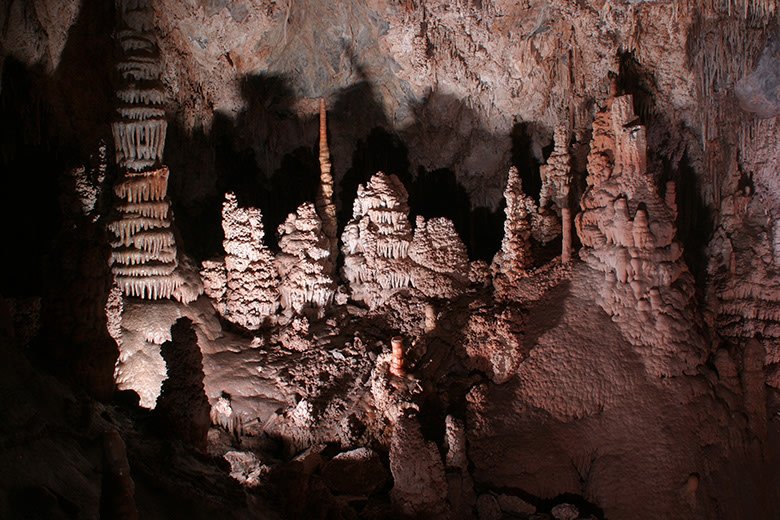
point(376, 241)
point(244, 284)
point(397, 360)
point(648, 289)
point(382, 256)
point(515, 257)
point(324, 202)
point(144, 258)
point(442, 257)
point(304, 263)
point(556, 185)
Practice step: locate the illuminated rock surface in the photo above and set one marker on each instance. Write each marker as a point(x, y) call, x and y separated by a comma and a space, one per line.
point(629, 371)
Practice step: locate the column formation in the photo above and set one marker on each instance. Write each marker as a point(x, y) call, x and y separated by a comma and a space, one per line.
point(143, 258)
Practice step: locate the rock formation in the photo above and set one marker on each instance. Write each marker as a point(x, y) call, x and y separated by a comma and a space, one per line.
point(182, 408)
point(324, 203)
point(243, 285)
point(304, 263)
point(515, 257)
point(628, 232)
point(117, 488)
point(556, 185)
point(442, 269)
point(744, 253)
point(397, 361)
point(144, 257)
point(381, 256)
point(376, 241)
point(420, 487)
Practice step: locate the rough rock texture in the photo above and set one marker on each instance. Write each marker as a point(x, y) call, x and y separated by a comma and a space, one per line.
point(758, 91)
point(304, 263)
point(513, 263)
point(382, 257)
point(419, 488)
point(375, 243)
point(515, 257)
point(467, 86)
point(144, 258)
point(355, 472)
point(583, 397)
point(248, 293)
point(745, 251)
point(439, 251)
point(628, 232)
point(493, 342)
point(140, 329)
point(324, 202)
point(556, 186)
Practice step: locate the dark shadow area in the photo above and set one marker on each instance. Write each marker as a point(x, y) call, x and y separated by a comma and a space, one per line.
point(31, 160)
point(296, 181)
point(695, 222)
point(527, 138)
point(636, 80)
point(196, 198)
point(379, 150)
point(50, 125)
point(486, 231)
point(182, 410)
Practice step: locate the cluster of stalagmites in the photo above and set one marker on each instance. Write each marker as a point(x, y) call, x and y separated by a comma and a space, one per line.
point(524, 221)
point(628, 232)
point(144, 257)
point(383, 256)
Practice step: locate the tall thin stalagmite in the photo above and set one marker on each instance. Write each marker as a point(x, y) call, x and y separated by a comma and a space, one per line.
point(324, 202)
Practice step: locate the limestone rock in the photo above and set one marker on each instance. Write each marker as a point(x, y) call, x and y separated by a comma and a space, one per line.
point(304, 264)
point(182, 407)
point(628, 232)
point(375, 243)
point(515, 257)
point(249, 294)
point(420, 488)
point(144, 257)
point(440, 252)
point(492, 343)
point(356, 472)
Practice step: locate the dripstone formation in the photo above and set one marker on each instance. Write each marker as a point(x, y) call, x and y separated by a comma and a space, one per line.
point(376, 241)
point(244, 283)
point(382, 255)
point(628, 232)
point(144, 256)
point(304, 264)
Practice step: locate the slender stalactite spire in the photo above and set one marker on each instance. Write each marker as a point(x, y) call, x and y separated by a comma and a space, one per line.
point(324, 202)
